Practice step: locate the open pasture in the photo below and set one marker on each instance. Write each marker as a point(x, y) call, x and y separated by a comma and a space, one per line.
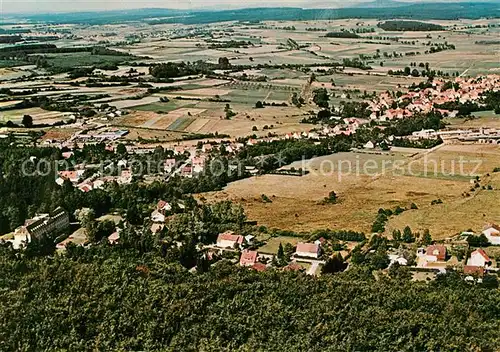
point(39, 116)
point(297, 201)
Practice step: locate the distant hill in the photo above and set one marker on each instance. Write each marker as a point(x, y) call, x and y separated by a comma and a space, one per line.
point(380, 9)
point(381, 4)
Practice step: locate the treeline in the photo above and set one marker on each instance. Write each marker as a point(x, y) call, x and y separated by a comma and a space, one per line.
point(402, 26)
point(53, 49)
point(10, 39)
point(343, 235)
point(272, 155)
point(421, 143)
point(229, 44)
point(342, 34)
point(406, 126)
point(174, 70)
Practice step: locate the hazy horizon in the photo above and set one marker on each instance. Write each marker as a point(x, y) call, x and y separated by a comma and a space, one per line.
point(54, 6)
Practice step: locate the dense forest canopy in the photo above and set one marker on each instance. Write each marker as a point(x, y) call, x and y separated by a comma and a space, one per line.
point(410, 26)
point(118, 299)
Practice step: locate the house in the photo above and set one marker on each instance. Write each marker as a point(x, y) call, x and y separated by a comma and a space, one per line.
point(310, 250)
point(479, 258)
point(114, 237)
point(85, 187)
point(198, 164)
point(163, 206)
point(248, 258)
point(63, 244)
point(157, 217)
point(320, 241)
point(435, 253)
point(179, 150)
point(206, 148)
point(169, 165)
point(424, 133)
point(187, 171)
point(252, 170)
point(394, 258)
point(249, 239)
point(229, 240)
point(293, 267)
point(492, 233)
point(67, 155)
point(99, 184)
point(157, 227)
point(369, 145)
point(72, 176)
point(125, 177)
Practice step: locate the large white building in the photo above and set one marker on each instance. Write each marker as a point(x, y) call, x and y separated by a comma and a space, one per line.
point(479, 258)
point(40, 225)
point(229, 240)
point(492, 233)
point(309, 250)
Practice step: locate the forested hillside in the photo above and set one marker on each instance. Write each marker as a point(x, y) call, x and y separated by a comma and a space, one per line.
point(470, 10)
point(119, 299)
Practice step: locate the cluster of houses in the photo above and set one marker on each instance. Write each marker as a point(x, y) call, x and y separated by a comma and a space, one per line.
point(93, 182)
point(436, 257)
point(160, 213)
point(229, 241)
point(194, 165)
point(426, 100)
point(433, 258)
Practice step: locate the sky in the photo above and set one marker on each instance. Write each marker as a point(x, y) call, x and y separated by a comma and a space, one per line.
point(45, 6)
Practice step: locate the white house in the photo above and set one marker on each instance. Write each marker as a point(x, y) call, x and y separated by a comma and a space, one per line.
point(479, 258)
point(163, 206)
point(157, 217)
point(198, 165)
point(310, 250)
point(169, 165)
point(114, 237)
point(394, 258)
point(229, 240)
point(492, 233)
point(369, 145)
point(424, 133)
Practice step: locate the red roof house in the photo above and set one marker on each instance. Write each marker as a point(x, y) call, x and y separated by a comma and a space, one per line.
point(248, 258)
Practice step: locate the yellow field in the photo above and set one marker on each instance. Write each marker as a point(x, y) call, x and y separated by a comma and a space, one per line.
point(296, 201)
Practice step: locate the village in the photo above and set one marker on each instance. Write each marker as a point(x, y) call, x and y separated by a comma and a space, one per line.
point(189, 157)
point(466, 252)
point(211, 177)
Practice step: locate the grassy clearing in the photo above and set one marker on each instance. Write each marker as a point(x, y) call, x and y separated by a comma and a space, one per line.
point(272, 245)
point(297, 200)
point(180, 124)
point(156, 107)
